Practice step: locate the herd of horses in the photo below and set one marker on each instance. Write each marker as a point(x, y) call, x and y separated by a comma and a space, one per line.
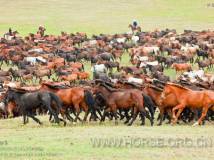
point(46, 75)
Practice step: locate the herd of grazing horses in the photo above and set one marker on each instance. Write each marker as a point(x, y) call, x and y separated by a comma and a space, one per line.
point(116, 92)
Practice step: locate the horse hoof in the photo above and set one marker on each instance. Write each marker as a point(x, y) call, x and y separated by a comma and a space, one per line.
point(129, 124)
point(152, 123)
point(195, 124)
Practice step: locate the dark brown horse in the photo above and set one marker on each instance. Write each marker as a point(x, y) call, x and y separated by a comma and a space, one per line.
point(122, 99)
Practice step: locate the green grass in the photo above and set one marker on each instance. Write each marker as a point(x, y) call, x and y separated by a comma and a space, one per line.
point(75, 141)
point(104, 16)
point(94, 17)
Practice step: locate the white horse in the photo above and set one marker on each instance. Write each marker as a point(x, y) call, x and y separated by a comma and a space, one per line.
point(34, 60)
point(37, 50)
point(135, 80)
point(121, 40)
point(135, 39)
point(99, 68)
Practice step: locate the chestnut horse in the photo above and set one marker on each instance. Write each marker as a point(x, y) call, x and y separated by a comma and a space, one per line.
point(181, 67)
point(164, 105)
point(187, 97)
point(72, 98)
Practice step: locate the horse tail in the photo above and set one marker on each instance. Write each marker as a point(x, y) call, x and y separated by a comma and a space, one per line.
point(89, 99)
point(57, 100)
point(149, 104)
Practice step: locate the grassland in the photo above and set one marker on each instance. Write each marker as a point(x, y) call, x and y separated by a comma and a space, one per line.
point(104, 16)
point(76, 141)
point(94, 17)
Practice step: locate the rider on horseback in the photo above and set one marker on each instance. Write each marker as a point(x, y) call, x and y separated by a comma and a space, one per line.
point(135, 23)
point(41, 30)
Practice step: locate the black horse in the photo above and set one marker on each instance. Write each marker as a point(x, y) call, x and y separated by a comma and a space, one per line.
point(28, 102)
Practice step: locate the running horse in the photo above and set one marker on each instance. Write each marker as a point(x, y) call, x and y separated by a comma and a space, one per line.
point(28, 102)
point(188, 98)
point(75, 99)
point(127, 99)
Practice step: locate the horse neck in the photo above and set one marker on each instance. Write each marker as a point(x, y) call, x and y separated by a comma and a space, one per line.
point(44, 87)
point(177, 91)
point(105, 91)
point(153, 93)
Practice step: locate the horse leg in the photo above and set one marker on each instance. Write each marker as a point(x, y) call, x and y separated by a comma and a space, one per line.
point(48, 106)
point(169, 112)
point(86, 109)
point(104, 114)
point(86, 115)
point(134, 116)
point(115, 116)
point(161, 116)
point(34, 118)
point(24, 118)
point(146, 114)
point(142, 119)
point(127, 116)
point(203, 115)
point(99, 112)
point(65, 113)
point(180, 108)
point(78, 118)
point(76, 106)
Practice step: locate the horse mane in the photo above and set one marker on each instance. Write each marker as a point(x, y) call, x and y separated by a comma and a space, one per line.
point(19, 90)
point(178, 85)
point(155, 88)
point(56, 86)
point(131, 84)
point(109, 84)
point(108, 87)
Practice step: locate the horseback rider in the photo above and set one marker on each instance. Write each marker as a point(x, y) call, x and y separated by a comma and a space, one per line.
point(135, 23)
point(41, 30)
point(10, 32)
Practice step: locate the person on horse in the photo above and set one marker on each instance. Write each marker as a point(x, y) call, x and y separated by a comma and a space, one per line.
point(41, 30)
point(10, 32)
point(135, 23)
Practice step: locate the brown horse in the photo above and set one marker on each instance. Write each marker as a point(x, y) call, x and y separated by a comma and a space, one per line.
point(164, 105)
point(122, 99)
point(72, 98)
point(187, 97)
point(181, 67)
